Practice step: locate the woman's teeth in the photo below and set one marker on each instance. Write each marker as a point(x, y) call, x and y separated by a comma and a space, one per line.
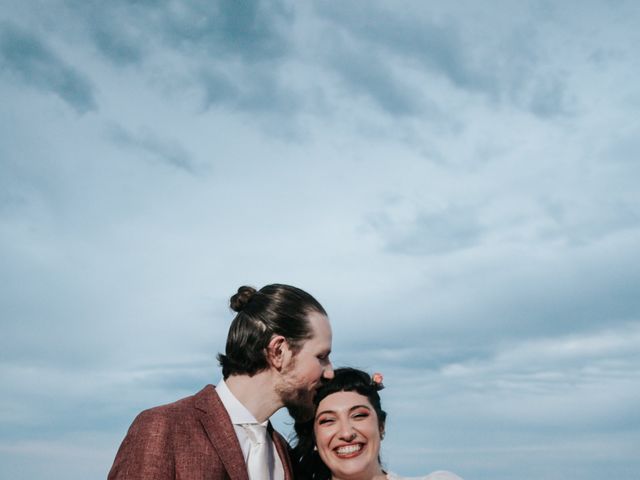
point(347, 449)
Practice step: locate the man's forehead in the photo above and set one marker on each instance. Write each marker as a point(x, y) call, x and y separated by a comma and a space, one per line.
point(320, 325)
point(320, 332)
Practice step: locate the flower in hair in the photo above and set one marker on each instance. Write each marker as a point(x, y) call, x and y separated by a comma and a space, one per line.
point(377, 378)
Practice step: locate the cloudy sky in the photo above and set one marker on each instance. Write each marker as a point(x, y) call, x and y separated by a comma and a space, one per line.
point(456, 182)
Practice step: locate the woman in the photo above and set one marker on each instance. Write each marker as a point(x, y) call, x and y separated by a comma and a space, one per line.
point(343, 439)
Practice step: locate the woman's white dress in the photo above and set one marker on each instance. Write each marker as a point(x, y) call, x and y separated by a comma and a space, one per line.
point(439, 475)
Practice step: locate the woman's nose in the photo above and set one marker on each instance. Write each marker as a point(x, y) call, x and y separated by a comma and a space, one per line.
point(346, 432)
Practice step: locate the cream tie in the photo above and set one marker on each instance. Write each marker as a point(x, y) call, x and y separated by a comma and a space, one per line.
point(258, 461)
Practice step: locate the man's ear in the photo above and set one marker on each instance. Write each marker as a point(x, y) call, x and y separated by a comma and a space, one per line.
point(278, 351)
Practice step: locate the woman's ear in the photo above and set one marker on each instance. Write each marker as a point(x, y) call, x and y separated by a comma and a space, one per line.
point(381, 431)
point(277, 351)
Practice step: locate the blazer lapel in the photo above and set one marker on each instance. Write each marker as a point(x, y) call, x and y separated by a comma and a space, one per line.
point(217, 424)
point(282, 447)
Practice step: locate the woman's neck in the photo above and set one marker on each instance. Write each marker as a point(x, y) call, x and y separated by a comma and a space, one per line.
point(377, 475)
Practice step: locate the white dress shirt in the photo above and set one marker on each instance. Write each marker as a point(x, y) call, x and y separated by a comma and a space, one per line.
point(239, 416)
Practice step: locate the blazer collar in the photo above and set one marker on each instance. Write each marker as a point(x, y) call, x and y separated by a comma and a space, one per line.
point(282, 447)
point(217, 424)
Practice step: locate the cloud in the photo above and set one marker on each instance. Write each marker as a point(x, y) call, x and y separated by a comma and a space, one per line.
point(549, 99)
point(558, 389)
point(623, 150)
point(463, 305)
point(75, 387)
point(253, 89)
point(30, 59)
point(437, 48)
point(432, 44)
point(126, 32)
point(427, 232)
point(116, 44)
point(232, 51)
point(364, 72)
point(252, 30)
point(562, 396)
point(29, 458)
point(166, 151)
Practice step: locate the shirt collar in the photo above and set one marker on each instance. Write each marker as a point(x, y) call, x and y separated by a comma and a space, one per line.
point(236, 410)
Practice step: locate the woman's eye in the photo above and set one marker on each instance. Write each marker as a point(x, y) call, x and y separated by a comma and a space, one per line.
point(324, 421)
point(361, 415)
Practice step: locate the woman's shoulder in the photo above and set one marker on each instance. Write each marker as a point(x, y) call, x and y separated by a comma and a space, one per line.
point(439, 475)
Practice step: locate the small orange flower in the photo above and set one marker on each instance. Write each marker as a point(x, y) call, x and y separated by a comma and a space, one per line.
point(377, 378)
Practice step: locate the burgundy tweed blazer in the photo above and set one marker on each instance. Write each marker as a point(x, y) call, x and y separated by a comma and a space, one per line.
point(191, 439)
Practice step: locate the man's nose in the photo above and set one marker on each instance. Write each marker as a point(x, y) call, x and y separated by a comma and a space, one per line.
point(328, 373)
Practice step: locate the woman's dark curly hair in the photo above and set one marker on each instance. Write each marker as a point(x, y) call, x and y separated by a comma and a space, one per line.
point(307, 462)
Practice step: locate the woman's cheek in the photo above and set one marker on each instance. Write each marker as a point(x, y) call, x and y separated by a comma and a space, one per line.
point(323, 437)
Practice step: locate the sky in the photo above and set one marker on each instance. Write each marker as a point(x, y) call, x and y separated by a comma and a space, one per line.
point(456, 183)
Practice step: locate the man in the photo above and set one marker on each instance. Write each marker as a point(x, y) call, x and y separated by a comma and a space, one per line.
point(276, 354)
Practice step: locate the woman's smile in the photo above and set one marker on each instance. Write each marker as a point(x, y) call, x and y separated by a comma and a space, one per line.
point(347, 435)
point(349, 451)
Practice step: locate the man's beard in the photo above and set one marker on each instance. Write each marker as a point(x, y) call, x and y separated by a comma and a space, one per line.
point(297, 400)
point(299, 404)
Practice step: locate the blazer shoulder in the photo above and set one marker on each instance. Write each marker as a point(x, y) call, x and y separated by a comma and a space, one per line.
point(165, 415)
point(155, 438)
point(185, 403)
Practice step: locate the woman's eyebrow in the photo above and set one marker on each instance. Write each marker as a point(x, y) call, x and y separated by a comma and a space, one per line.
point(324, 411)
point(351, 409)
point(359, 406)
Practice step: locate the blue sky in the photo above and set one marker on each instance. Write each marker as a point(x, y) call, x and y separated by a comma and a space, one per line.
point(456, 182)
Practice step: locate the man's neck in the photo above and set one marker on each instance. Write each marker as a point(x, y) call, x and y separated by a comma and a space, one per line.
point(256, 393)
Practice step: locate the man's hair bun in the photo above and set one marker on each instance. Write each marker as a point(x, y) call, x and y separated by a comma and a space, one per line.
point(239, 300)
